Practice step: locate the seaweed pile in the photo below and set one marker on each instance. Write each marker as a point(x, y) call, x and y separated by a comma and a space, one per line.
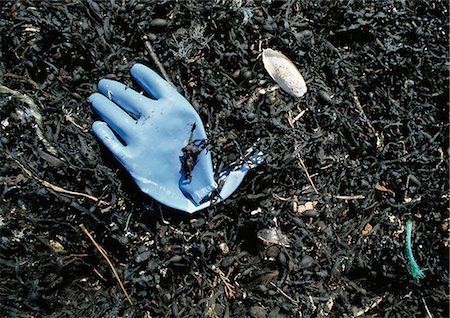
point(317, 230)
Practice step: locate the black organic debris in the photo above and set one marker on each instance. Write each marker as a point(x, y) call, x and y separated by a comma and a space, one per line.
point(375, 116)
point(190, 155)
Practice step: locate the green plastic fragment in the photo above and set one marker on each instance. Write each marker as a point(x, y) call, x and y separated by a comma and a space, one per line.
point(414, 269)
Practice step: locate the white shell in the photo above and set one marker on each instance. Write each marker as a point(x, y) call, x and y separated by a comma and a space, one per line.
point(284, 72)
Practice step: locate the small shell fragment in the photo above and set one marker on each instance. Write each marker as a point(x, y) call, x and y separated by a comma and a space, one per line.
point(308, 206)
point(367, 229)
point(284, 72)
point(224, 248)
point(273, 236)
point(56, 246)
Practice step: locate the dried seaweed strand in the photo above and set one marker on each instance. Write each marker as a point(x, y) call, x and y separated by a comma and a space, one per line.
point(105, 255)
point(155, 59)
point(34, 110)
point(414, 268)
point(58, 188)
point(228, 286)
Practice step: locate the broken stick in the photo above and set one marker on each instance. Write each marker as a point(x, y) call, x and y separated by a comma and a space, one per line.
point(58, 188)
point(360, 109)
point(105, 255)
point(155, 59)
point(302, 164)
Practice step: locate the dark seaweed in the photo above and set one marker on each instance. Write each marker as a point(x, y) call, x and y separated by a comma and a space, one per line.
point(346, 257)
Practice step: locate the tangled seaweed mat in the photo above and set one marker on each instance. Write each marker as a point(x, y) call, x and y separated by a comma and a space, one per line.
point(374, 117)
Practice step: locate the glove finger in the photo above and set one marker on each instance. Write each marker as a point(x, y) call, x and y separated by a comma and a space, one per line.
point(151, 82)
point(107, 137)
point(125, 97)
point(115, 116)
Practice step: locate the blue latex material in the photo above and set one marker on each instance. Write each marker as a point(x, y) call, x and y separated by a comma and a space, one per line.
point(153, 131)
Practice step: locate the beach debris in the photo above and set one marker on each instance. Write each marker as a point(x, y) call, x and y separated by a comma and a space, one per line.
point(273, 237)
point(413, 267)
point(284, 72)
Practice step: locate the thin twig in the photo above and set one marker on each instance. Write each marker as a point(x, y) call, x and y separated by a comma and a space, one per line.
point(29, 81)
point(295, 302)
point(349, 197)
point(426, 308)
point(155, 59)
point(280, 198)
point(100, 275)
point(302, 164)
point(299, 115)
point(292, 120)
point(360, 109)
point(58, 188)
point(103, 252)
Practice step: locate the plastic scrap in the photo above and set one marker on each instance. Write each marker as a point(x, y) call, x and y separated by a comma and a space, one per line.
point(414, 268)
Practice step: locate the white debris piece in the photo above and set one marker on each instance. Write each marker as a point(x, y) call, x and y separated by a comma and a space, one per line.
point(273, 236)
point(284, 72)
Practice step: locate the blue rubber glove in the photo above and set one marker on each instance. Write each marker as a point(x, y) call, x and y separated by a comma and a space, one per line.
point(163, 149)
